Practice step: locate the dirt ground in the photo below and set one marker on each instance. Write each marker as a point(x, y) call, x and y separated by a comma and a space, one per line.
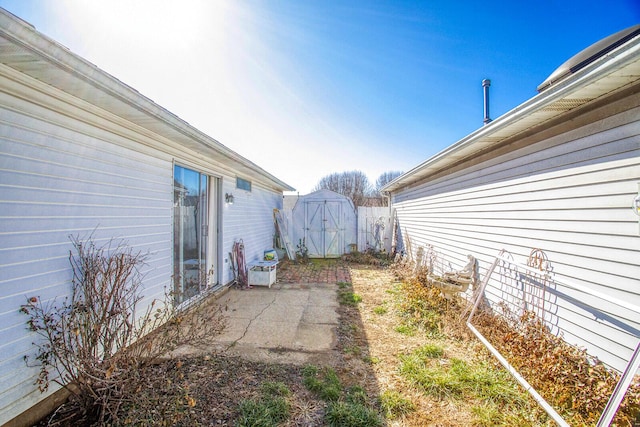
point(366, 354)
point(207, 389)
point(382, 346)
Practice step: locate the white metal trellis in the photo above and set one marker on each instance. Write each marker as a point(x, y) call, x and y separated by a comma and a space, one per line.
point(625, 380)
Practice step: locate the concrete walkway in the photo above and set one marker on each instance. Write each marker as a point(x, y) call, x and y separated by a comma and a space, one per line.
point(287, 323)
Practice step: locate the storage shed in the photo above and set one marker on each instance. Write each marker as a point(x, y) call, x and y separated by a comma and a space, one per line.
point(82, 153)
point(560, 173)
point(325, 223)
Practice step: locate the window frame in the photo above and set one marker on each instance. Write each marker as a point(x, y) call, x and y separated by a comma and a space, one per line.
point(243, 184)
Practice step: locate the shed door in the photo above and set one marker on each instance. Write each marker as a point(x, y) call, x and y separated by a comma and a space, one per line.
point(324, 230)
point(333, 230)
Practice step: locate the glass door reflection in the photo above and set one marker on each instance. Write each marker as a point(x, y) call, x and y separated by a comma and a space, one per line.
point(191, 202)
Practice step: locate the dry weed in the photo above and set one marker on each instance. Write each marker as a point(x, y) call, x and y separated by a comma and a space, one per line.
point(576, 384)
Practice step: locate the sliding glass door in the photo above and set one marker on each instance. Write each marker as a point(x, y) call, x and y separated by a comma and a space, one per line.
point(192, 252)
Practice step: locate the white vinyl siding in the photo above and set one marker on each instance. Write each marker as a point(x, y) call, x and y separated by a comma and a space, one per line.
point(250, 219)
point(62, 175)
point(55, 183)
point(83, 154)
point(570, 196)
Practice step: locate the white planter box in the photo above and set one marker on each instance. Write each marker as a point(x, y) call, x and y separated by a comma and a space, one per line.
point(262, 273)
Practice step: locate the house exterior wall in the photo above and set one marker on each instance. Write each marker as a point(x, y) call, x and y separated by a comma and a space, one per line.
point(570, 195)
point(57, 182)
point(250, 219)
point(69, 168)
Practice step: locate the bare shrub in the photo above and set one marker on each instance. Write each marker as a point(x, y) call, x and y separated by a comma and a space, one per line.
point(576, 384)
point(96, 342)
point(423, 304)
point(368, 257)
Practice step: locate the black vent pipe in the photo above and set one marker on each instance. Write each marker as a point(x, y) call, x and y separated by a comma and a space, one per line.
point(485, 86)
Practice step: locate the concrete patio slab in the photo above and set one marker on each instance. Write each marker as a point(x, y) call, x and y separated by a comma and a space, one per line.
point(322, 315)
point(314, 337)
point(287, 323)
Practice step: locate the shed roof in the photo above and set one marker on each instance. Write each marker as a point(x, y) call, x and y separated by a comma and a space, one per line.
point(28, 51)
point(323, 194)
point(610, 73)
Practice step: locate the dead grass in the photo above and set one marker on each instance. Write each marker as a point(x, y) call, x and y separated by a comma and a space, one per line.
point(386, 348)
point(576, 385)
point(371, 354)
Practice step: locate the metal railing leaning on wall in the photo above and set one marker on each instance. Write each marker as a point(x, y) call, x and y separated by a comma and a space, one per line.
point(533, 297)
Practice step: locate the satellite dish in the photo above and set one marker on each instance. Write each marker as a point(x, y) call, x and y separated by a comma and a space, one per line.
point(590, 54)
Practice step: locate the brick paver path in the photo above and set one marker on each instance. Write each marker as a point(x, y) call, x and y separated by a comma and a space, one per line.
point(315, 271)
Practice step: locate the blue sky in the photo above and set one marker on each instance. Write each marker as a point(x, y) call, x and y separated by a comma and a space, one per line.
point(308, 88)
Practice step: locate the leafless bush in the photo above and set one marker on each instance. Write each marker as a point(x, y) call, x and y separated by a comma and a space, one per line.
point(574, 382)
point(369, 257)
point(96, 342)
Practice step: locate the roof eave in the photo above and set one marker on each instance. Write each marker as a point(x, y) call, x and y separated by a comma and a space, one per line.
point(128, 101)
